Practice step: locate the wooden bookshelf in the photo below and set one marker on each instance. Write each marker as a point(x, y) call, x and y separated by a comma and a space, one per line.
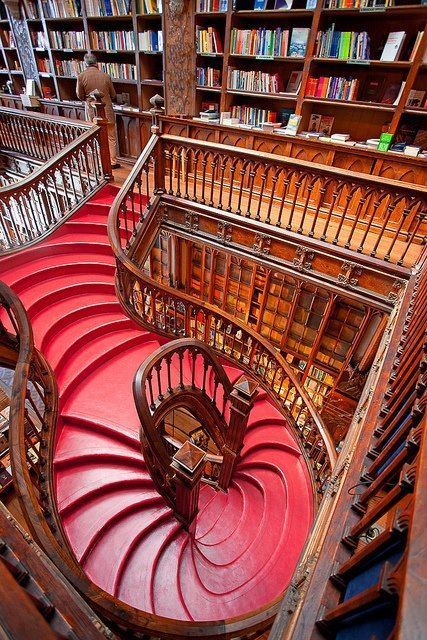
point(144, 68)
point(377, 22)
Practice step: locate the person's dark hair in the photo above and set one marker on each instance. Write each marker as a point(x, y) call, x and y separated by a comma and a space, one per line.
point(90, 60)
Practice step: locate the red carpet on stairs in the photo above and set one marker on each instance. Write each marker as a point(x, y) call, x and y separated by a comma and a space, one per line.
point(247, 541)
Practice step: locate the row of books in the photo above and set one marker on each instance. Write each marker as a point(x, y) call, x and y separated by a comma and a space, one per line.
point(283, 5)
point(208, 40)
point(39, 40)
point(68, 39)
point(211, 6)
point(7, 38)
point(332, 87)
point(149, 6)
point(342, 44)
point(255, 81)
point(208, 77)
point(103, 40)
point(252, 116)
point(150, 40)
point(357, 4)
point(108, 7)
point(70, 68)
point(62, 8)
point(43, 65)
point(269, 42)
point(119, 70)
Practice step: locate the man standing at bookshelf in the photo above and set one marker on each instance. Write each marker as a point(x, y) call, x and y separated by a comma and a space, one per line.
point(93, 78)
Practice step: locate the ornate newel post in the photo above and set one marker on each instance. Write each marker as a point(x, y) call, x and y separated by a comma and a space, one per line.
point(242, 398)
point(187, 465)
point(101, 121)
point(159, 172)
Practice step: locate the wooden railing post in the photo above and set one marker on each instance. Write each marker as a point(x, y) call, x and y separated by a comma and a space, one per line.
point(101, 121)
point(187, 465)
point(159, 169)
point(242, 399)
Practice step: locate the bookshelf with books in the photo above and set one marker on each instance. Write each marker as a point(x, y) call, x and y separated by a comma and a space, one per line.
point(211, 27)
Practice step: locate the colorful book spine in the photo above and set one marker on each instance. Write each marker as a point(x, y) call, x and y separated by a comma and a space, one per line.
point(118, 70)
point(150, 41)
point(208, 40)
point(211, 6)
point(342, 45)
point(254, 81)
point(68, 40)
point(62, 8)
point(332, 88)
point(113, 40)
point(253, 116)
point(69, 68)
point(357, 4)
point(260, 42)
point(208, 77)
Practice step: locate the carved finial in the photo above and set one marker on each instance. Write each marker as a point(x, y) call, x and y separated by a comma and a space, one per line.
point(157, 101)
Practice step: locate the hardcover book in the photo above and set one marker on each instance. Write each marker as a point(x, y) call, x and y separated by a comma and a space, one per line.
point(294, 82)
point(298, 43)
point(283, 4)
point(393, 46)
point(415, 98)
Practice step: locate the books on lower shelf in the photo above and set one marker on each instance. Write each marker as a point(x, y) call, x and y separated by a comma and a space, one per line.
point(68, 39)
point(149, 41)
point(113, 40)
point(149, 7)
point(208, 77)
point(108, 7)
point(254, 81)
point(208, 40)
point(320, 124)
point(70, 68)
point(342, 44)
point(43, 65)
point(260, 42)
point(252, 116)
point(415, 98)
point(119, 70)
point(393, 46)
point(298, 43)
point(62, 8)
point(211, 6)
point(332, 88)
point(357, 4)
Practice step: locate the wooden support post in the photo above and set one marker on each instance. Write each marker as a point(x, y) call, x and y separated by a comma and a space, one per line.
point(188, 464)
point(101, 121)
point(242, 398)
point(159, 169)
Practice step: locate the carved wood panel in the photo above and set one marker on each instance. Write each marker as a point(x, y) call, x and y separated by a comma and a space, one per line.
point(180, 63)
point(128, 136)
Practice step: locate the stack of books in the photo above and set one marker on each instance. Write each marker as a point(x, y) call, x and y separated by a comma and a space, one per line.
point(208, 77)
point(108, 7)
point(254, 81)
point(62, 8)
point(149, 41)
point(342, 44)
point(68, 39)
point(69, 68)
point(149, 7)
point(252, 116)
point(211, 6)
point(119, 70)
point(208, 40)
point(332, 87)
point(114, 40)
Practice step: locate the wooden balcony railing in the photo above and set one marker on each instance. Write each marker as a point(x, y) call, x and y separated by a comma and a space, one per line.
point(35, 135)
point(369, 215)
point(134, 222)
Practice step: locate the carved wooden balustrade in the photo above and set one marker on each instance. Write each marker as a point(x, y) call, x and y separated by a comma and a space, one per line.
point(186, 373)
point(372, 554)
point(366, 214)
point(133, 224)
point(35, 135)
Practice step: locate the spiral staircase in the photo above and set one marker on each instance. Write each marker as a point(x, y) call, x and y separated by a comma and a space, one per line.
point(126, 538)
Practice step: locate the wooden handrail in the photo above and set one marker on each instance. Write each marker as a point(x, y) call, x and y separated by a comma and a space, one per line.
point(35, 205)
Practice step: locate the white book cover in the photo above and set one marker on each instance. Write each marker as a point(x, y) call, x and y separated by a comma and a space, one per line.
point(393, 46)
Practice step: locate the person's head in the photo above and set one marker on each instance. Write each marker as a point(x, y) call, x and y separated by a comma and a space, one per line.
point(90, 60)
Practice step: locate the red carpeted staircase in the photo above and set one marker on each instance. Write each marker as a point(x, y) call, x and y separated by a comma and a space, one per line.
point(247, 541)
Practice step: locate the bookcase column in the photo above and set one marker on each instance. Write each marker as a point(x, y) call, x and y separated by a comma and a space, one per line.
point(24, 46)
point(180, 57)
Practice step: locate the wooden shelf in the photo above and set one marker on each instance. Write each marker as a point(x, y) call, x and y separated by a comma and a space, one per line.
point(419, 111)
point(116, 51)
point(210, 14)
point(255, 94)
point(267, 58)
point(152, 83)
point(211, 89)
point(109, 18)
point(355, 104)
point(403, 10)
point(210, 55)
point(397, 64)
point(274, 13)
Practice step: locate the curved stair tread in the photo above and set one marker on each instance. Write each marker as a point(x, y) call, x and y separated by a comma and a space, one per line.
point(104, 563)
point(167, 597)
point(111, 430)
point(56, 276)
point(223, 527)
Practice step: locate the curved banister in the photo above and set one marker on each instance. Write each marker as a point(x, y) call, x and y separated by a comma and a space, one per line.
point(34, 489)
